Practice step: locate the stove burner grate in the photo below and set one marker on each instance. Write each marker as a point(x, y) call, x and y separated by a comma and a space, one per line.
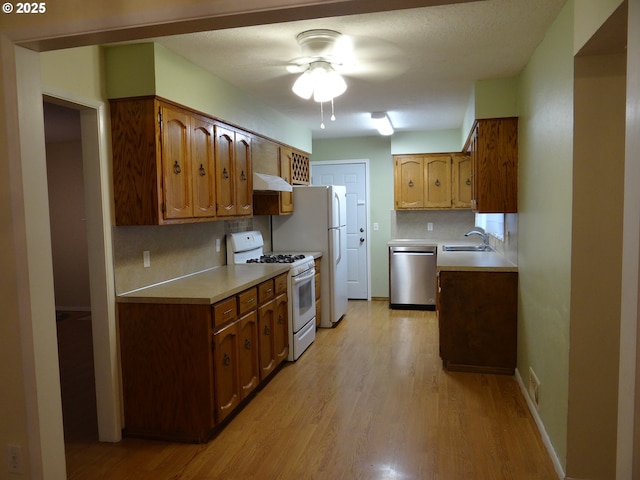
point(278, 258)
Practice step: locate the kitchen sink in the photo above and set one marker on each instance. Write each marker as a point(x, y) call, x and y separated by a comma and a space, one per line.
point(466, 248)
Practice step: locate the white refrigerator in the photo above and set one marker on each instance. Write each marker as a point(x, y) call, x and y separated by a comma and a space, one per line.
point(318, 224)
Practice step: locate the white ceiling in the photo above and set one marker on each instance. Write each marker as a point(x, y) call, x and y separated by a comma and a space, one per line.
point(419, 64)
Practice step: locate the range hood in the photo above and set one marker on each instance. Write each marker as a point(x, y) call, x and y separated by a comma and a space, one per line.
point(269, 183)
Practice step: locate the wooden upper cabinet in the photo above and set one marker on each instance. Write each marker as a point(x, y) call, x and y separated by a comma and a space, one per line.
point(176, 162)
point(461, 181)
point(409, 181)
point(233, 173)
point(175, 165)
point(437, 181)
point(203, 167)
point(225, 193)
point(243, 181)
point(422, 181)
point(493, 146)
point(286, 198)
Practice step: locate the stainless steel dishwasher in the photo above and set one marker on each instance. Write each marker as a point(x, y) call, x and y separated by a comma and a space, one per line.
point(412, 276)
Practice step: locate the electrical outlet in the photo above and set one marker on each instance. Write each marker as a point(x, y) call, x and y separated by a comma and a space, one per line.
point(14, 458)
point(429, 227)
point(217, 245)
point(534, 388)
point(376, 226)
point(146, 259)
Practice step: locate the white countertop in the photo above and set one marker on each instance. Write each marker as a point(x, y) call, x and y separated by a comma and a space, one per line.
point(207, 287)
point(461, 261)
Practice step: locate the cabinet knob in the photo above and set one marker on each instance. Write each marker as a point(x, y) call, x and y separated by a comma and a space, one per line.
point(226, 360)
point(176, 168)
point(468, 182)
point(267, 330)
point(437, 182)
point(243, 177)
point(280, 320)
point(201, 170)
point(411, 183)
point(225, 174)
point(247, 344)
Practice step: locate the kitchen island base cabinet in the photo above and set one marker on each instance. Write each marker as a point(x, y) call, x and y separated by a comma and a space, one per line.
point(478, 320)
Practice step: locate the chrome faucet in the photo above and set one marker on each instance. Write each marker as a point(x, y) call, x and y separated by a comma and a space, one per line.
point(484, 236)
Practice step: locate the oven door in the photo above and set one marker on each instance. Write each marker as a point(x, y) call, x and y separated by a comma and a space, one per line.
point(302, 298)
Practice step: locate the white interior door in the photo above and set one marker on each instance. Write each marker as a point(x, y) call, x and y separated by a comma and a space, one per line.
point(353, 175)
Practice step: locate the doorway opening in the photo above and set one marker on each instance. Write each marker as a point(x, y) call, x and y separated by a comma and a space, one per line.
point(69, 249)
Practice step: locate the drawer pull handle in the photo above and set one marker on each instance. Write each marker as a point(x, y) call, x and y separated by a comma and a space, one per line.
point(251, 300)
point(176, 168)
point(225, 175)
point(227, 312)
point(226, 360)
point(269, 290)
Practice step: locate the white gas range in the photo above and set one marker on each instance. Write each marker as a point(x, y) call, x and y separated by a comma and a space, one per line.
point(248, 248)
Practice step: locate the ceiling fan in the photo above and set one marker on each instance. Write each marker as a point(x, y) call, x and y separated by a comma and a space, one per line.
point(324, 52)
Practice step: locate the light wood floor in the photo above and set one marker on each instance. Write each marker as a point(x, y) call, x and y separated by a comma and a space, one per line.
point(368, 400)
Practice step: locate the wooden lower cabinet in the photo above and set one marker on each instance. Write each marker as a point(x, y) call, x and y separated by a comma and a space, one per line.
point(187, 367)
point(167, 371)
point(478, 315)
point(248, 354)
point(227, 370)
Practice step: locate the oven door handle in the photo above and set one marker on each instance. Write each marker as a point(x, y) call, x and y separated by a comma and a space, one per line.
point(305, 276)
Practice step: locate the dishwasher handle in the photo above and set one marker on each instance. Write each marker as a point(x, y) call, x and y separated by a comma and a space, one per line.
point(430, 254)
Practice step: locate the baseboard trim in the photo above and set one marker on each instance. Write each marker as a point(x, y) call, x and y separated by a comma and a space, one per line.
point(543, 433)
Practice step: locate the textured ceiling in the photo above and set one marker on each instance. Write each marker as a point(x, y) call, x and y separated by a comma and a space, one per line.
point(418, 64)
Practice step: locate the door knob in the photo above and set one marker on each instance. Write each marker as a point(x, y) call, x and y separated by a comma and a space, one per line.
point(361, 239)
point(361, 229)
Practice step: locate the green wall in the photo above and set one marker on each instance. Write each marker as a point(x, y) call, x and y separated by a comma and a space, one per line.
point(545, 143)
point(151, 69)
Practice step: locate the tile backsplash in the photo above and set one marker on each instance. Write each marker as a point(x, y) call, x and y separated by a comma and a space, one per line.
point(175, 250)
point(447, 224)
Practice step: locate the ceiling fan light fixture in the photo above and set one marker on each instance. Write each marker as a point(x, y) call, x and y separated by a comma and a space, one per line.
point(382, 123)
point(304, 85)
point(321, 81)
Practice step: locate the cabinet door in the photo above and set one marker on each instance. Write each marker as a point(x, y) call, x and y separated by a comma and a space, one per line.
point(248, 348)
point(226, 366)
point(281, 329)
point(243, 175)
point(437, 172)
point(409, 182)
point(266, 325)
point(286, 198)
point(494, 151)
point(225, 188)
point(203, 167)
point(461, 181)
point(175, 152)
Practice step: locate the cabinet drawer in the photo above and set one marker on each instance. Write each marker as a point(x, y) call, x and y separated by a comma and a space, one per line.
point(281, 283)
point(265, 291)
point(247, 301)
point(224, 311)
